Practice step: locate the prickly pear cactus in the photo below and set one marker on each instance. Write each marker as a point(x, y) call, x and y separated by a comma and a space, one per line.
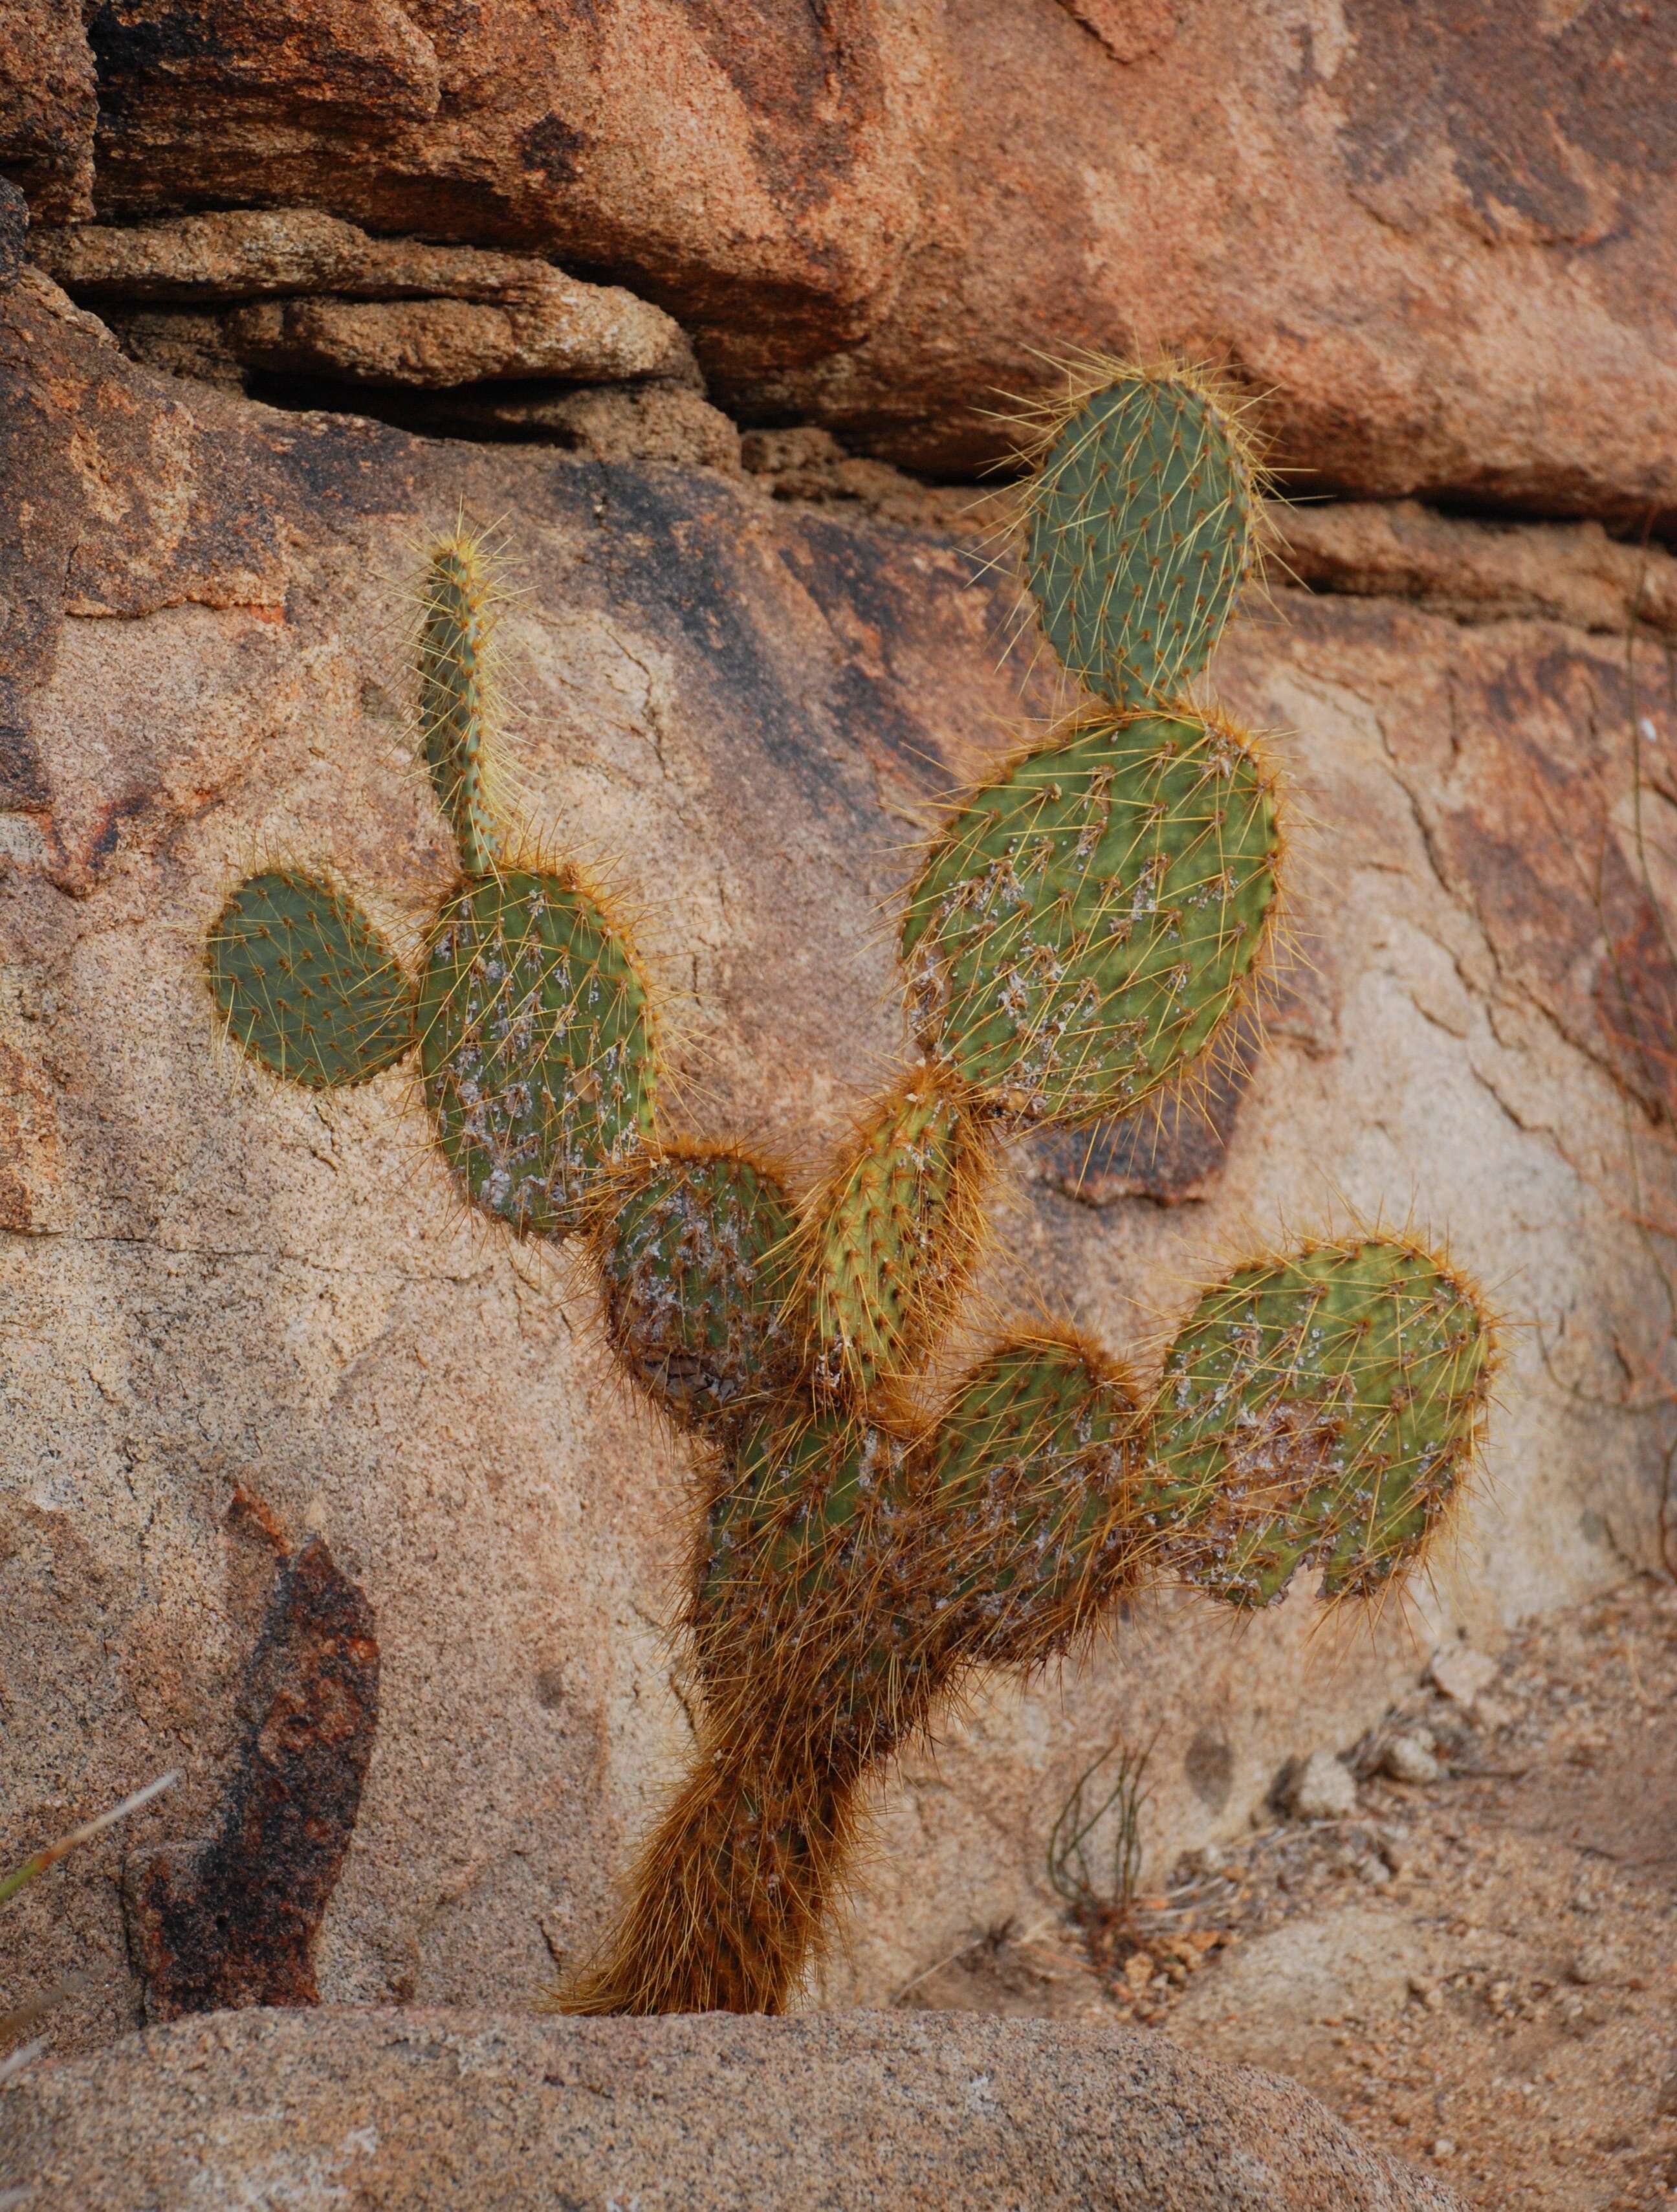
point(1081, 934)
point(1141, 529)
point(698, 1267)
point(305, 983)
point(1091, 921)
point(851, 1574)
point(535, 1044)
point(1318, 1411)
point(533, 1020)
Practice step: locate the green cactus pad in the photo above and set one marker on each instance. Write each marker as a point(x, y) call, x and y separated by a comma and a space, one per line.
point(453, 641)
point(1087, 925)
point(788, 1512)
point(1024, 1488)
point(306, 982)
point(697, 1268)
point(1317, 1411)
point(1139, 535)
point(534, 1040)
point(893, 1236)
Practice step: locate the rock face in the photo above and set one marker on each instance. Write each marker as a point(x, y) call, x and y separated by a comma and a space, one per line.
point(1441, 241)
point(750, 166)
point(48, 105)
point(1425, 233)
point(740, 706)
point(419, 2109)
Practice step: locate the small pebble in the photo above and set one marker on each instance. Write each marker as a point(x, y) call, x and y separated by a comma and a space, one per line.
point(1411, 1758)
point(1593, 1964)
point(1443, 2146)
point(1323, 1788)
point(1460, 1673)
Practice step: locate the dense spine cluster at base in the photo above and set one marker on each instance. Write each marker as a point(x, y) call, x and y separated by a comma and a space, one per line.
point(1084, 933)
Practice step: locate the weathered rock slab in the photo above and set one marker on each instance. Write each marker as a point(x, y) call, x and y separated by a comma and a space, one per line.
point(1440, 240)
point(436, 2111)
point(584, 334)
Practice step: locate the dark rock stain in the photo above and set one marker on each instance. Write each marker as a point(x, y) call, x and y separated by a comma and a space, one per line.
point(233, 1921)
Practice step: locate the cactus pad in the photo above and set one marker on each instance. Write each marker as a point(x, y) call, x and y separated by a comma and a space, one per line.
point(698, 1264)
point(307, 983)
point(534, 1040)
point(1024, 1491)
point(1318, 1410)
point(891, 1238)
point(1088, 923)
point(1140, 528)
point(453, 639)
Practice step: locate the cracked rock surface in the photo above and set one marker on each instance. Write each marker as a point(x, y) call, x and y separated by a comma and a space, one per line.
point(741, 706)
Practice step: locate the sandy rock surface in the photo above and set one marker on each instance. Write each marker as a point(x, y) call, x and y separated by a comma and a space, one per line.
point(1476, 1971)
point(419, 2110)
point(738, 709)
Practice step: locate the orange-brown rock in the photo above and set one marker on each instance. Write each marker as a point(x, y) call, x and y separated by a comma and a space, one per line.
point(1441, 240)
point(47, 106)
point(746, 166)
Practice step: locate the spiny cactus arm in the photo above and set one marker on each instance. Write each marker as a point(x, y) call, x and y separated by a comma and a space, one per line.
point(535, 1044)
point(305, 983)
point(697, 1262)
point(733, 1891)
point(890, 1240)
point(1141, 526)
point(1093, 920)
point(819, 1646)
point(1320, 1408)
point(455, 625)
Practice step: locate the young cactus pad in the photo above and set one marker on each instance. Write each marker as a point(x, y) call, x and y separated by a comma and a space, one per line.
point(890, 1238)
point(535, 1044)
point(697, 1263)
point(1139, 528)
point(1088, 923)
point(305, 983)
point(453, 640)
point(1318, 1410)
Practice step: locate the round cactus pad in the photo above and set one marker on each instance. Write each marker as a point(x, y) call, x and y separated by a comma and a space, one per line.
point(306, 982)
point(697, 1268)
point(534, 1042)
point(1139, 536)
point(1087, 925)
point(1025, 1480)
point(1318, 1410)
